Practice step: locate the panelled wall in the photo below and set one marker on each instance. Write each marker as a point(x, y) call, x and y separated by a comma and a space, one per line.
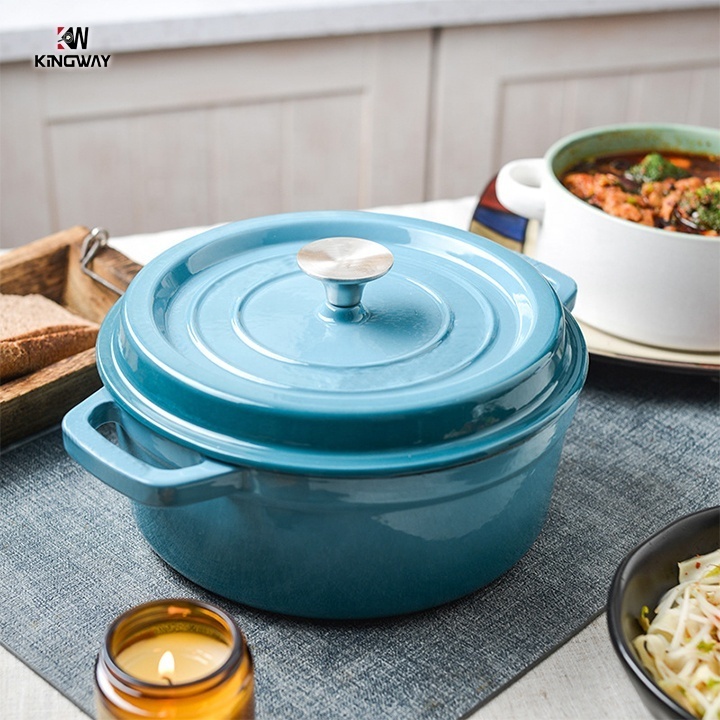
point(197, 136)
point(190, 137)
point(510, 91)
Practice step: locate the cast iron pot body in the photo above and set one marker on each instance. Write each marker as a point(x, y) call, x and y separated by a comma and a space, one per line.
point(335, 462)
point(641, 283)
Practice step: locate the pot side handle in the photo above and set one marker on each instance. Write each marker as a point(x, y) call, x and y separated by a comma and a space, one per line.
point(564, 286)
point(518, 187)
point(198, 478)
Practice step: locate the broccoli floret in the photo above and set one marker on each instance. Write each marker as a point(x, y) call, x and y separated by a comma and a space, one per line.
point(655, 167)
point(702, 206)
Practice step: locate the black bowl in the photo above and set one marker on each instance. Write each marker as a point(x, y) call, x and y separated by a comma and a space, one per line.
point(645, 574)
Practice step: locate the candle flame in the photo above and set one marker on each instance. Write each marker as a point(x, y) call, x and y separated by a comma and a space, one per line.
point(166, 666)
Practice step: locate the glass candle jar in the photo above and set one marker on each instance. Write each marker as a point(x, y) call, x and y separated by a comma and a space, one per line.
point(175, 658)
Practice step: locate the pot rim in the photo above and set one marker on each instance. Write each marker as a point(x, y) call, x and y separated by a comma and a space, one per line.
point(399, 462)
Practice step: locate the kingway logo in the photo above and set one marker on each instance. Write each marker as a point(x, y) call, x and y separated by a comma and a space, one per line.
point(69, 38)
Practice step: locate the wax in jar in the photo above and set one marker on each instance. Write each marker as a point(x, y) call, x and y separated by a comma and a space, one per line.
point(173, 658)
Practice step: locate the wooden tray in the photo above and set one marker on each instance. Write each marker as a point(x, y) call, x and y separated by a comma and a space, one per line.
point(51, 267)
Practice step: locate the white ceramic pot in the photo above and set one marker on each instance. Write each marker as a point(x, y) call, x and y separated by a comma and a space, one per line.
point(641, 283)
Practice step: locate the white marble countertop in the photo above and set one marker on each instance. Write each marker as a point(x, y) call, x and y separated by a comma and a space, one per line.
point(582, 679)
point(137, 25)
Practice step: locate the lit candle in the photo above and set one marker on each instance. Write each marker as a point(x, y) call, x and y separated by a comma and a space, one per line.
point(174, 658)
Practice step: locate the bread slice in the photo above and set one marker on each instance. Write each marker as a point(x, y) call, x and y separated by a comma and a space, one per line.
point(36, 332)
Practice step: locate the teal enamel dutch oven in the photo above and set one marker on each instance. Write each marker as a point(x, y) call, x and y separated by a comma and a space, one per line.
point(336, 414)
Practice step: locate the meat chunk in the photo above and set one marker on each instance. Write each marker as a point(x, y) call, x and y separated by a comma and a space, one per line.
point(606, 192)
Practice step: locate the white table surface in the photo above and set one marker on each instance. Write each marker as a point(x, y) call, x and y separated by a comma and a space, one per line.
point(582, 679)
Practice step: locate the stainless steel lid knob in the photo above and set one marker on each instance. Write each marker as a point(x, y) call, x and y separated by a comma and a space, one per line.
point(344, 265)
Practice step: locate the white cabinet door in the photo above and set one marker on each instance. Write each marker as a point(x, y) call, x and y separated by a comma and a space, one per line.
point(509, 91)
point(191, 137)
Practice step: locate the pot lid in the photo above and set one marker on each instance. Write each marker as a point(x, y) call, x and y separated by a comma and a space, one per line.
point(336, 342)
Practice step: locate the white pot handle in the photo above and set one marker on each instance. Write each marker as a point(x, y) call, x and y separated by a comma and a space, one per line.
point(518, 187)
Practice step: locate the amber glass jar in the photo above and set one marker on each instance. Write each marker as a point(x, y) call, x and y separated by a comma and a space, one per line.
point(174, 658)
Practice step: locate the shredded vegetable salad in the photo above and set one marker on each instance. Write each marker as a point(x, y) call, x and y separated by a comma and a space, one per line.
point(681, 646)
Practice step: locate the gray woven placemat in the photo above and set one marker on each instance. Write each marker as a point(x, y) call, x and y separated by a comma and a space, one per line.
point(643, 450)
